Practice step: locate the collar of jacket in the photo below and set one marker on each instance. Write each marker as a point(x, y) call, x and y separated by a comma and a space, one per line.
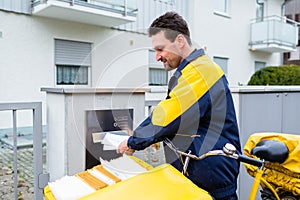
point(195, 54)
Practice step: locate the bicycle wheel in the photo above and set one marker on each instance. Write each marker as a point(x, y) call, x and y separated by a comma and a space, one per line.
point(288, 196)
point(266, 194)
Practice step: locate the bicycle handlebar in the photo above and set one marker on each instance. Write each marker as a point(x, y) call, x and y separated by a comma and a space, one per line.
point(249, 160)
point(228, 151)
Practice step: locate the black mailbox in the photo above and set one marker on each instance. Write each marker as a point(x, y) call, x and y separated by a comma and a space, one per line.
point(101, 121)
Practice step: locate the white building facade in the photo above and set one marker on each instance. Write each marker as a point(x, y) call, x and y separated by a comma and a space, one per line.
point(103, 44)
point(82, 47)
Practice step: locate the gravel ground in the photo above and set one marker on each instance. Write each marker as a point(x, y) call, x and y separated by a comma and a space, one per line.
point(25, 174)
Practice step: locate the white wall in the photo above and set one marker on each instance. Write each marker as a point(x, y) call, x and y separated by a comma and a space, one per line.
point(119, 58)
point(121, 61)
point(229, 36)
point(27, 58)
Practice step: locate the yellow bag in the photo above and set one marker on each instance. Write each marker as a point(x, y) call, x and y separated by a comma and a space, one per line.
point(285, 175)
point(161, 183)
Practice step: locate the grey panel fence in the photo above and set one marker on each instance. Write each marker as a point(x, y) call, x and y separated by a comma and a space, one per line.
point(40, 178)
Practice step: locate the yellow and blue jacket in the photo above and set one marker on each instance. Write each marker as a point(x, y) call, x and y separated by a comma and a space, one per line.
point(198, 115)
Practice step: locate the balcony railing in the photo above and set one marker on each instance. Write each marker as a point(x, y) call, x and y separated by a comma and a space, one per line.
point(98, 12)
point(273, 34)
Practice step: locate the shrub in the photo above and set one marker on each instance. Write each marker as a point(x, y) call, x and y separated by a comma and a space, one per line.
point(282, 75)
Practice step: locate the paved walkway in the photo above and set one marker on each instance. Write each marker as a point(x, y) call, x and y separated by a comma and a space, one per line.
point(25, 174)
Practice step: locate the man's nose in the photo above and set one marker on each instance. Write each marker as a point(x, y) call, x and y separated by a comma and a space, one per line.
point(158, 56)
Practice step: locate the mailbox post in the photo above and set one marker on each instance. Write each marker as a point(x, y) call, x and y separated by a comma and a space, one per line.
point(66, 120)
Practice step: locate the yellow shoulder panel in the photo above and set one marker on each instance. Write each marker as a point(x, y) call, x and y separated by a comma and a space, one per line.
point(197, 78)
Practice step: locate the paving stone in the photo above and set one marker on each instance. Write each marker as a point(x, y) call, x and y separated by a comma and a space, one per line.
point(25, 174)
point(30, 190)
point(23, 190)
point(5, 189)
point(27, 196)
point(8, 195)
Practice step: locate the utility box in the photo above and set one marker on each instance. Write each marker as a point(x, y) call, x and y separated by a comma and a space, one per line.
point(264, 109)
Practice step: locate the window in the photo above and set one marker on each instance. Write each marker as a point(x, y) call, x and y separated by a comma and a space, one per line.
point(259, 65)
point(297, 17)
point(221, 7)
point(295, 55)
point(259, 13)
point(167, 1)
point(222, 62)
point(290, 17)
point(70, 75)
point(72, 60)
point(157, 74)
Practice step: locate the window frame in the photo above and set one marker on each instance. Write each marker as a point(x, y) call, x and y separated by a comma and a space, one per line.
point(79, 65)
point(225, 11)
point(225, 69)
point(256, 63)
point(153, 64)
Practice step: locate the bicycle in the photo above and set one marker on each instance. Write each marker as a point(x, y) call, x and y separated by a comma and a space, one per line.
point(266, 153)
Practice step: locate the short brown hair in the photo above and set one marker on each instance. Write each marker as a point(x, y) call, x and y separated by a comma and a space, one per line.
point(172, 24)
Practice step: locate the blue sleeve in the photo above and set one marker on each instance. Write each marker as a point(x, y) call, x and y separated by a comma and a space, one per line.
point(147, 133)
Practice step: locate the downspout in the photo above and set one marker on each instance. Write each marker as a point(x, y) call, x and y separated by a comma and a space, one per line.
point(283, 15)
point(125, 8)
point(262, 7)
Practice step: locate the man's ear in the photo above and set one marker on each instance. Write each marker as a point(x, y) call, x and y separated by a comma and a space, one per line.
point(180, 39)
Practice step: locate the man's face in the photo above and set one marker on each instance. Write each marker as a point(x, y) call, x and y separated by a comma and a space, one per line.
point(166, 51)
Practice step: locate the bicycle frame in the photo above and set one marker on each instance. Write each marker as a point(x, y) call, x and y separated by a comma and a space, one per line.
point(257, 182)
point(230, 151)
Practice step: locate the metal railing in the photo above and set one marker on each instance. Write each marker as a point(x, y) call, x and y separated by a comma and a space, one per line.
point(275, 30)
point(125, 7)
point(40, 179)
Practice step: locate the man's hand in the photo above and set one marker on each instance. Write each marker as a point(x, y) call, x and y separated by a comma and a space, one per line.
point(123, 148)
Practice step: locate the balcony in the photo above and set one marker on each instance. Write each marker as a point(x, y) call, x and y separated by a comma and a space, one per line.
point(273, 34)
point(106, 13)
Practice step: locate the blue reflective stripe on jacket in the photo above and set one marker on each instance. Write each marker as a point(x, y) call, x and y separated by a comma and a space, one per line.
point(197, 115)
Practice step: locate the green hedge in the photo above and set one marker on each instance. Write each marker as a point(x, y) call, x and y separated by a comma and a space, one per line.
point(282, 75)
